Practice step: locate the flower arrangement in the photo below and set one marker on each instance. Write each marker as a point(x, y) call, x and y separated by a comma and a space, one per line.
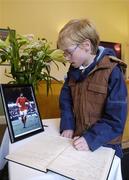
point(29, 59)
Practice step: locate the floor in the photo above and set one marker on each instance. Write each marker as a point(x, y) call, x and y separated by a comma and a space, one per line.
point(4, 173)
point(125, 164)
point(125, 160)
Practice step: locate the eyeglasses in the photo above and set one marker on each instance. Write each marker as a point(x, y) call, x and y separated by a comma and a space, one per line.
point(69, 52)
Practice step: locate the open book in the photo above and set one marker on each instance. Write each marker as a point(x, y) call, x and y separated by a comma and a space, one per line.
point(57, 154)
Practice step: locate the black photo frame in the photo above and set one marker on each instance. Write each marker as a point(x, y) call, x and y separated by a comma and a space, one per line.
point(21, 111)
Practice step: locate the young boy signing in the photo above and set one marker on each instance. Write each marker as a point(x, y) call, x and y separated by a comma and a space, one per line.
point(93, 99)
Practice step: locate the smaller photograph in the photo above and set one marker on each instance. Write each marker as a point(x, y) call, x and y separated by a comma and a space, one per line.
point(21, 111)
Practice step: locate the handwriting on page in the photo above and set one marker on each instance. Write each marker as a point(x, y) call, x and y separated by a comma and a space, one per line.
point(41, 152)
point(82, 165)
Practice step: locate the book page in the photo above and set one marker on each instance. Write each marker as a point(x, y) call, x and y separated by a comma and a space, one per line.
point(39, 153)
point(84, 165)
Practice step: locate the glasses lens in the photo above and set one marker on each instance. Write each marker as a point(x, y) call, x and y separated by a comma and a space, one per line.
point(66, 54)
point(69, 52)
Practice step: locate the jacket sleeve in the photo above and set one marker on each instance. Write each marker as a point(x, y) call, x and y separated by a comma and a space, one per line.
point(66, 107)
point(112, 123)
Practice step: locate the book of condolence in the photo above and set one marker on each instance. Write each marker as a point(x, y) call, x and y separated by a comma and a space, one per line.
point(57, 154)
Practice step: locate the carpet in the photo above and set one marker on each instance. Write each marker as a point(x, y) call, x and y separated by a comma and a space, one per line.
point(125, 164)
point(4, 173)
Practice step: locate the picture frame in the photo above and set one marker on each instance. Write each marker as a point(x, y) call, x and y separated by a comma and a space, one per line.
point(21, 111)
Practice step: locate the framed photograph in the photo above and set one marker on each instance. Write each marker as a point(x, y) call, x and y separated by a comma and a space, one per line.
point(21, 111)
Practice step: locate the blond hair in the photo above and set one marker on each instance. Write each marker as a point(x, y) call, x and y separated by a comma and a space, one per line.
point(77, 31)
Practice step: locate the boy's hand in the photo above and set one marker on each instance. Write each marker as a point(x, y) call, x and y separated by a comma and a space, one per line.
point(80, 143)
point(67, 133)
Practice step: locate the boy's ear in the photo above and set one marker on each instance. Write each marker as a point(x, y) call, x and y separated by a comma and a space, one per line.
point(86, 45)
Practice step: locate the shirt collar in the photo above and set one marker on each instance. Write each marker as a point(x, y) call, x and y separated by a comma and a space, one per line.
point(84, 67)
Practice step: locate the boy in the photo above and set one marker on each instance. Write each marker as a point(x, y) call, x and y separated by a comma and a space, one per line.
point(93, 100)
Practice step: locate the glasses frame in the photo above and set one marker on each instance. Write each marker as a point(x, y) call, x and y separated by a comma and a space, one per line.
point(69, 53)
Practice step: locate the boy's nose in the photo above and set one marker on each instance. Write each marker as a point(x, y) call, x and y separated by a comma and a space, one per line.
point(67, 58)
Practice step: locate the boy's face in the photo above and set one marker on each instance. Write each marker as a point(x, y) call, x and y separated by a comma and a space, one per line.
point(78, 55)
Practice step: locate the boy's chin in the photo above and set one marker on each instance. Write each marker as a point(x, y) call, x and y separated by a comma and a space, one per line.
point(74, 65)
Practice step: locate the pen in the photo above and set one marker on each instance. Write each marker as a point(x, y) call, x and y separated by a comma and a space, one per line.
point(45, 125)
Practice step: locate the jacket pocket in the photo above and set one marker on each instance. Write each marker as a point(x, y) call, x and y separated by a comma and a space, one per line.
point(96, 93)
point(97, 88)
